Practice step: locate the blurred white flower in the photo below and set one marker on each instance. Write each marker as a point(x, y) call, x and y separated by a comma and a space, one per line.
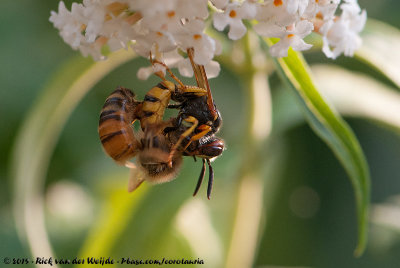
point(212, 68)
point(145, 72)
point(324, 9)
point(193, 36)
point(145, 43)
point(271, 15)
point(292, 38)
point(71, 24)
point(233, 16)
point(220, 3)
point(296, 6)
point(341, 35)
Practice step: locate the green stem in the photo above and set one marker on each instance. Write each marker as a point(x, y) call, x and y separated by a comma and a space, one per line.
point(249, 204)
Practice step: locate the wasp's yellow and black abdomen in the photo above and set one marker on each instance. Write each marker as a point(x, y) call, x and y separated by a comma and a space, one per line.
point(115, 131)
point(155, 102)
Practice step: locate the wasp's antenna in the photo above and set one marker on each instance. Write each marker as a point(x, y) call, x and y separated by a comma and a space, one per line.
point(210, 179)
point(201, 177)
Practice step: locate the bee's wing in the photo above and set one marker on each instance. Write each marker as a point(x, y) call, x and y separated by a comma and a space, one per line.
point(136, 177)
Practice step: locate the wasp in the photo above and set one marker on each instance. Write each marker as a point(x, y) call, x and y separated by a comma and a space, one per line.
point(199, 138)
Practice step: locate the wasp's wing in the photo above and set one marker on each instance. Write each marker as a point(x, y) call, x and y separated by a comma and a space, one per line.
point(201, 79)
point(198, 74)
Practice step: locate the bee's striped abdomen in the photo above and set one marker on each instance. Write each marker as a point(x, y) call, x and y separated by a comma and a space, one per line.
point(115, 131)
point(155, 102)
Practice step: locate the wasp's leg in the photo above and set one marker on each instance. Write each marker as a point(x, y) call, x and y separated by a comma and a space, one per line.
point(168, 70)
point(189, 119)
point(210, 179)
point(174, 106)
point(204, 130)
point(203, 171)
point(159, 73)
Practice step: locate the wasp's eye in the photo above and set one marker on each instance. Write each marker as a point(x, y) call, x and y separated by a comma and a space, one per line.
point(218, 121)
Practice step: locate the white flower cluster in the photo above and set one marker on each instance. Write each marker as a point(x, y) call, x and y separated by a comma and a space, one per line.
point(167, 26)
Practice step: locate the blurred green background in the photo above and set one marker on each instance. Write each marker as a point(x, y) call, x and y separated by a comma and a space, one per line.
point(311, 219)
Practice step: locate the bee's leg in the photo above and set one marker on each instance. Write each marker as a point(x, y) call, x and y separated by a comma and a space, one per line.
point(194, 122)
point(210, 179)
point(204, 130)
point(203, 171)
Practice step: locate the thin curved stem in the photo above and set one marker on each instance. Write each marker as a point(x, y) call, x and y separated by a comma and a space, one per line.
point(38, 137)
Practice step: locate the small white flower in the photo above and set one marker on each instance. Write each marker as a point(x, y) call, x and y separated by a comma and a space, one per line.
point(71, 24)
point(60, 18)
point(161, 26)
point(191, 9)
point(296, 6)
point(350, 7)
point(220, 3)
point(163, 20)
point(212, 68)
point(150, 7)
point(292, 38)
point(342, 35)
point(193, 37)
point(321, 8)
point(145, 43)
point(232, 16)
point(273, 14)
point(93, 49)
point(119, 33)
point(95, 12)
point(171, 59)
point(145, 72)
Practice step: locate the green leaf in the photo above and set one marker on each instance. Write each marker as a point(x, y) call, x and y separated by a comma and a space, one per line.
point(118, 207)
point(331, 128)
point(338, 85)
point(379, 50)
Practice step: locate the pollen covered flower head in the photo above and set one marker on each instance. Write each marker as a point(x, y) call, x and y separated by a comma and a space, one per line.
point(172, 26)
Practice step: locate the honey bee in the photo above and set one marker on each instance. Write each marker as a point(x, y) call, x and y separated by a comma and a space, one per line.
point(152, 159)
point(150, 147)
